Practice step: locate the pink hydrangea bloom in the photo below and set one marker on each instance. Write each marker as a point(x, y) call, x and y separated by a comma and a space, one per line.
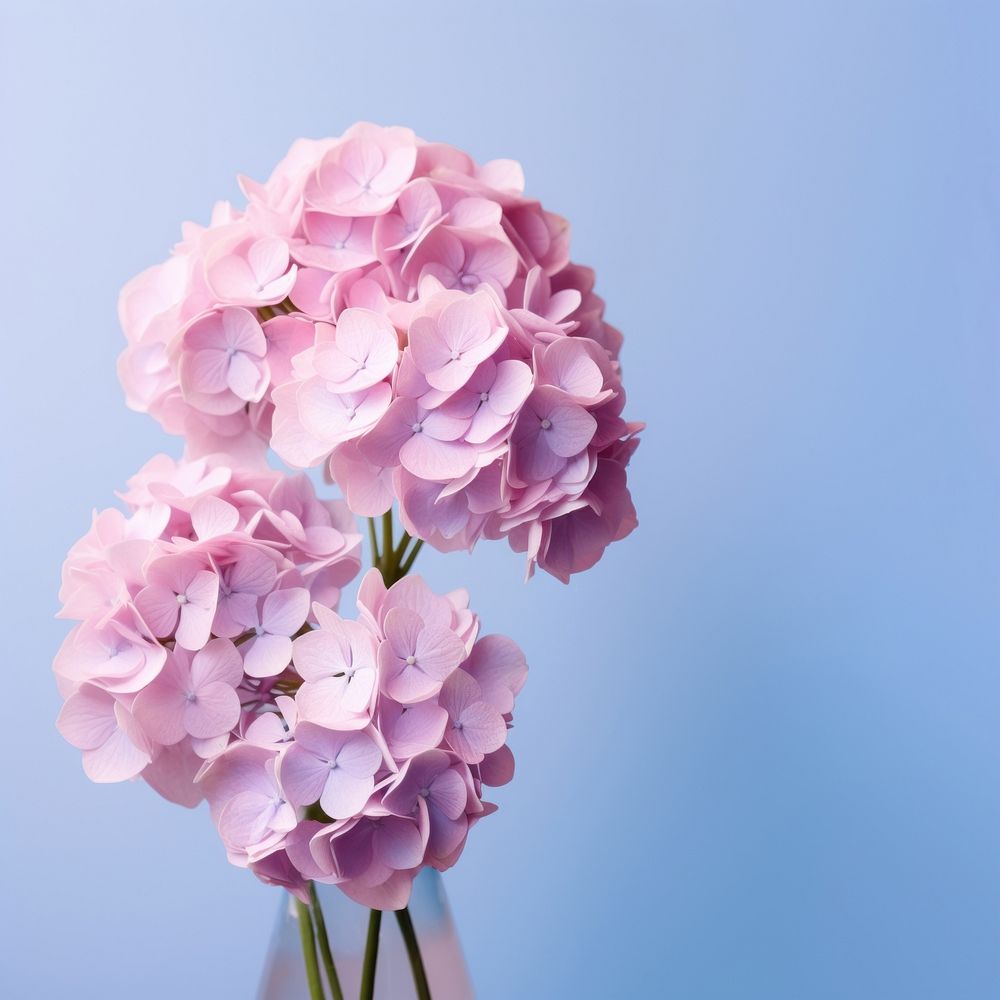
point(208, 556)
point(350, 751)
point(390, 310)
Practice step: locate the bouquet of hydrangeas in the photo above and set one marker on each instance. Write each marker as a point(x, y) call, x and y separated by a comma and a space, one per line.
point(410, 322)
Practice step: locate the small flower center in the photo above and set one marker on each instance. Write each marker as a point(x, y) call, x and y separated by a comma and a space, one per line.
point(455, 355)
point(546, 424)
point(410, 660)
point(417, 427)
point(484, 397)
point(182, 599)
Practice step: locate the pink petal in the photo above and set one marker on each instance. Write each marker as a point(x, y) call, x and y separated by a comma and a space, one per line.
point(344, 794)
point(498, 664)
point(402, 628)
point(211, 516)
point(118, 759)
point(381, 445)
point(439, 651)
point(319, 654)
point(449, 793)
point(497, 768)
point(268, 259)
point(360, 756)
point(172, 774)
point(208, 370)
point(159, 609)
point(511, 386)
point(243, 333)
point(571, 431)
point(218, 662)
point(195, 625)
point(285, 611)
point(203, 590)
point(358, 693)
point(247, 378)
point(397, 842)
point(159, 709)
point(428, 458)
point(392, 894)
point(302, 775)
point(215, 710)
point(87, 719)
point(231, 278)
point(414, 729)
point(480, 730)
point(253, 573)
point(267, 655)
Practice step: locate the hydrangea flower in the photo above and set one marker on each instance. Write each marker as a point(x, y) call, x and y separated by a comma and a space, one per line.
point(387, 309)
point(352, 751)
point(207, 558)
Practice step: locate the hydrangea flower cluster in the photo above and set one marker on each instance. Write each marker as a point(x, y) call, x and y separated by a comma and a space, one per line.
point(409, 320)
point(209, 659)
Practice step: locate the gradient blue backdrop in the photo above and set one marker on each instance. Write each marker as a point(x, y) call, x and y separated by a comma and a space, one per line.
point(759, 753)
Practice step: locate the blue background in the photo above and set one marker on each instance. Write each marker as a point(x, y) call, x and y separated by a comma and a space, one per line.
point(759, 750)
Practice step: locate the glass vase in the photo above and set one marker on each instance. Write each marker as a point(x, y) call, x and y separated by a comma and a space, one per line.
point(284, 976)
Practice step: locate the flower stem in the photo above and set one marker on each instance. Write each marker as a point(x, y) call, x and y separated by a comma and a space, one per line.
point(386, 563)
point(408, 561)
point(309, 951)
point(373, 540)
point(413, 950)
point(324, 945)
point(371, 956)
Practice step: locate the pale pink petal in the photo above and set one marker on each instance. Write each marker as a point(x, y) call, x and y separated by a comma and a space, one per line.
point(320, 654)
point(285, 610)
point(253, 573)
point(360, 756)
point(302, 775)
point(218, 662)
point(212, 516)
point(344, 794)
point(118, 759)
point(449, 793)
point(267, 655)
point(268, 259)
point(159, 609)
point(571, 429)
point(438, 652)
point(247, 378)
point(195, 625)
point(87, 719)
point(428, 458)
point(214, 710)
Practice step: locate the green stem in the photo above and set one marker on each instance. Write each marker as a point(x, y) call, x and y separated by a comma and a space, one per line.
point(309, 951)
point(371, 956)
point(408, 562)
point(324, 945)
point(374, 541)
point(388, 549)
point(413, 950)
